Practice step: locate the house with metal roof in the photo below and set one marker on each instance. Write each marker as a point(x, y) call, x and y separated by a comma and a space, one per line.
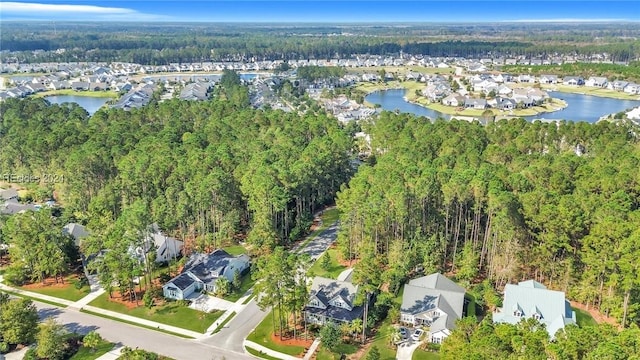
point(531, 299)
point(433, 301)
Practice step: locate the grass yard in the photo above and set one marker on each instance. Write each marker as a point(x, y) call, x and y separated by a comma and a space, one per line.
point(381, 341)
point(88, 354)
point(170, 314)
point(583, 318)
point(67, 291)
point(262, 335)
point(335, 268)
point(96, 94)
point(587, 90)
point(346, 349)
point(21, 295)
point(235, 250)
point(425, 355)
point(245, 285)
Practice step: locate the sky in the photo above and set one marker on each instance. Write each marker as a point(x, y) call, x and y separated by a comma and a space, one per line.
point(333, 11)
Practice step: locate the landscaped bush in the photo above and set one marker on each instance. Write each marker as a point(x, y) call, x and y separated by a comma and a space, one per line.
point(16, 274)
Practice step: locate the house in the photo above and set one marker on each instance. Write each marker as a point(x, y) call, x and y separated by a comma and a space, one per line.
point(202, 271)
point(572, 80)
point(596, 81)
point(478, 104)
point(505, 104)
point(433, 301)
point(453, 100)
point(634, 114)
point(632, 88)
point(332, 300)
point(14, 207)
point(10, 194)
point(76, 231)
point(80, 85)
point(167, 248)
point(548, 79)
point(526, 79)
point(617, 85)
point(531, 299)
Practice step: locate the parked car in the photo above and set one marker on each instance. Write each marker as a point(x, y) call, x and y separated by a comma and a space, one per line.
point(417, 334)
point(403, 332)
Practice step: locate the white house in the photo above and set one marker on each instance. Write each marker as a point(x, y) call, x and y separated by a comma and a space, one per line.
point(597, 81)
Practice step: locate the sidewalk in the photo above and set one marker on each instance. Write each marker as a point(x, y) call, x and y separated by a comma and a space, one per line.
point(238, 306)
point(87, 299)
point(113, 314)
point(55, 300)
point(312, 349)
point(275, 354)
point(113, 354)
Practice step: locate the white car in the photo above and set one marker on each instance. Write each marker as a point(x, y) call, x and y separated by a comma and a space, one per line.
point(417, 334)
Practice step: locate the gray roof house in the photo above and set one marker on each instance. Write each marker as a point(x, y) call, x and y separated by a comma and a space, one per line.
point(332, 300)
point(531, 299)
point(202, 271)
point(10, 194)
point(433, 301)
point(166, 247)
point(76, 231)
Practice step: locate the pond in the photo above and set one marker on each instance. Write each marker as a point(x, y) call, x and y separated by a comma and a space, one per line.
point(580, 107)
point(91, 104)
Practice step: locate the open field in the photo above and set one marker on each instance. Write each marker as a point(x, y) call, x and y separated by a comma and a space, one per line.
point(586, 90)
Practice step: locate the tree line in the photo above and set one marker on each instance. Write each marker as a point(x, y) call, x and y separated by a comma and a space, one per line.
point(508, 201)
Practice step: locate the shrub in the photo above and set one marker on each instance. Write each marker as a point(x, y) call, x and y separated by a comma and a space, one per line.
point(16, 274)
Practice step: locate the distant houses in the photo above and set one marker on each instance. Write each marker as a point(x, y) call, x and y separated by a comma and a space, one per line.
point(531, 299)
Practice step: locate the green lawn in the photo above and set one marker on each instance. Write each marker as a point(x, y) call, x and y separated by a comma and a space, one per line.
point(88, 354)
point(334, 267)
point(245, 285)
point(347, 349)
point(381, 341)
point(135, 324)
point(170, 314)
point(235, 250)
point(98, 94)
point(68, 292)
point(425, 355)
point(33, 299)
point(583, 318)
point(262, 336)
point(260, 354)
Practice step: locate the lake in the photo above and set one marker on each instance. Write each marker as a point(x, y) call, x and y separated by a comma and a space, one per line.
point(91, 104)
point(579, 107)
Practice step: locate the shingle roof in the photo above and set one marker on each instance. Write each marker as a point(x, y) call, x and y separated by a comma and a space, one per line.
point(326, 289)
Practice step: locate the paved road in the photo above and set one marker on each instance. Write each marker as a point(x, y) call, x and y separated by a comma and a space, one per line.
point(320, 243)
point(232, 335)
point(133, 336)
point(226, 344)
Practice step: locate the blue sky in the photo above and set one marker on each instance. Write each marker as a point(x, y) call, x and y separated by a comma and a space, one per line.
point(321, 11)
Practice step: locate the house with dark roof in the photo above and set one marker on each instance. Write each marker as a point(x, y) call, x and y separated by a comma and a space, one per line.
point(202, 271)
point(531, 299)
point(10, 194)
point(332, 300)
point(433, 301)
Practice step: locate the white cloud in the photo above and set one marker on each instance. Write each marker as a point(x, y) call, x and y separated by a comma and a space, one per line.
point(38, 11)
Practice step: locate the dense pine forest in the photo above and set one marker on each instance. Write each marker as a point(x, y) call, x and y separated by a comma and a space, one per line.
point(162, 44)
point(205, 170)
point(513, 200)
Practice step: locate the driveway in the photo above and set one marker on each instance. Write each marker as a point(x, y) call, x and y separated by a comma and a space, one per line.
point(208, 303)
point(406, 349)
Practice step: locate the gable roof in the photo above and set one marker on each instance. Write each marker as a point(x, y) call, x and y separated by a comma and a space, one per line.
point(437, 281)
point(326, 289)
point(432, 292)
point(209, 267)
point(77, 231)
point(530, 297)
